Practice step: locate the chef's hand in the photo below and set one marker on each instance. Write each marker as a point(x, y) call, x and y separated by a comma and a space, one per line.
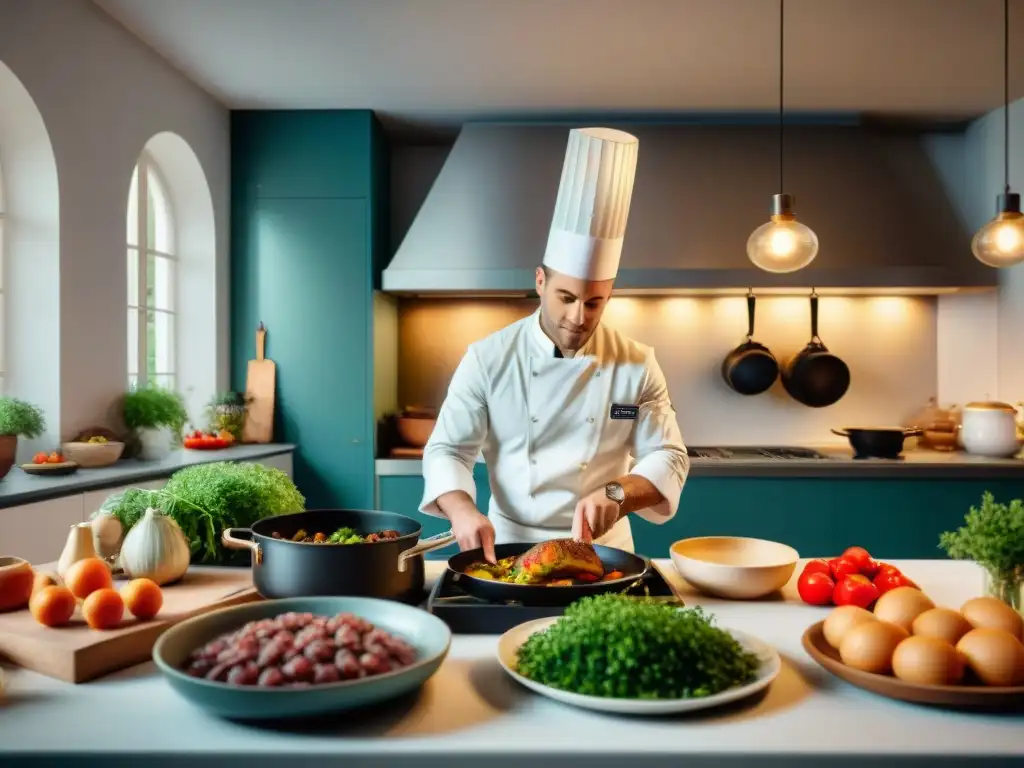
point(594, 517)
point(472, 529)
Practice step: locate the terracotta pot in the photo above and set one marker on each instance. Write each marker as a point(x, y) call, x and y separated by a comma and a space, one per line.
point(8, 447)
point(16, 577)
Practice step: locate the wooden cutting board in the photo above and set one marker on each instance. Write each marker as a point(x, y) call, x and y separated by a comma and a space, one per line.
point(259, 390)
point(76, 654)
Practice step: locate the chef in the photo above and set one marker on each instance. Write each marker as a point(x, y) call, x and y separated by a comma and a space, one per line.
point(573, 418)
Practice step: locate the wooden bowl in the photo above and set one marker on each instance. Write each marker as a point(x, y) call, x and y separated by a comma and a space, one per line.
point(981, 697)
point(91, 455)
point(415, 431)
point(734, 567)
point(16, 577)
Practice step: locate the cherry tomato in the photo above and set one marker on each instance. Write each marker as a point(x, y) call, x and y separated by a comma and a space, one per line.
point(889, 577)
point(871, 569)
point(54, 458)
point(858, 556)
point(40, 458)
point(817, 566)
point(815, 588)
point(841, 567)
point(855, 590)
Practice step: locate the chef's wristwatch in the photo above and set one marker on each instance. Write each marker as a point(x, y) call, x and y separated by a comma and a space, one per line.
point(615, 492)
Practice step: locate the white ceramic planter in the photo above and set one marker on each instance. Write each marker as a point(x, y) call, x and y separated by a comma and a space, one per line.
point(155, 443)
point(989, 429)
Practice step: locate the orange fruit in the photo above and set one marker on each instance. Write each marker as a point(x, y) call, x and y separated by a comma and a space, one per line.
point(86, 576)
point(52, 606)
point(143, 598)
point(103, 609)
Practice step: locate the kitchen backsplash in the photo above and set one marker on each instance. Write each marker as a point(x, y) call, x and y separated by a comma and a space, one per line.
point(889, 343)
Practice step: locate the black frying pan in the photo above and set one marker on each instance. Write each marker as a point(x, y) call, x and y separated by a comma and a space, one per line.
point(751, 368)
point(816, 377)
point(633, 568)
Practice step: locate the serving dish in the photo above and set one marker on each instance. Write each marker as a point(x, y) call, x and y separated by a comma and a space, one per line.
point(734, 567)
point(510, 642)
point(430, 637)
point(954, 696)
point(57, 468)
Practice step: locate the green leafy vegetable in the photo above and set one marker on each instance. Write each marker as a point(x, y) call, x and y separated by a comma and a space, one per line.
point(345, 536)
point(207, 498)
point(626, 647)
point(992, 536)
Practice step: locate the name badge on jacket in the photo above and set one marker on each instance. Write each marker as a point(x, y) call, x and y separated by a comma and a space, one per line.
point(620, 411)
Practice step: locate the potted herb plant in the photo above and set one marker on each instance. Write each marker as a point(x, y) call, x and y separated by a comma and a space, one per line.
point(993, 537)
point(17, 419)
point(226, 412)
point(157, 416)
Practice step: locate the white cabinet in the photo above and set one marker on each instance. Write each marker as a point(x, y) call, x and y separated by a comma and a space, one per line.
point(37, 532)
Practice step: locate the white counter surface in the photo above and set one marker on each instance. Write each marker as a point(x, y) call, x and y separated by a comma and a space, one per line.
point(470, 712)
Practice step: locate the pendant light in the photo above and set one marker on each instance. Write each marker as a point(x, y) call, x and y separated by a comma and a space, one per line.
point(782, 244)
point(1000, 243)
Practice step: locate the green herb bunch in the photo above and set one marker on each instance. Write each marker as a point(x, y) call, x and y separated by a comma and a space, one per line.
point(152, 407)
point(207, 498)
point(19, 418)
point(617, 646)
point(992, 536)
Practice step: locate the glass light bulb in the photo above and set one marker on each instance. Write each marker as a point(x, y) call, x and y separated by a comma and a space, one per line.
point(782, 245)
point(1000, 243)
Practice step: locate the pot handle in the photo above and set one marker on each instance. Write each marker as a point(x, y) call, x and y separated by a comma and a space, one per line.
point(814, 317)
point(425, 545)
point(913, 432)
point(840, 432)
point(229, 538)
point(751, 305)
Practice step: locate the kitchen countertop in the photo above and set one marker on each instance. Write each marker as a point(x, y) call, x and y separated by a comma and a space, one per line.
point(839, 464)
point(471, 713)
point(21, 488)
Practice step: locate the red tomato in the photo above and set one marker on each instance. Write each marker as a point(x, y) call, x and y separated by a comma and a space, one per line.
point(841, 567)
point(858, 556)
point(815, 588)
point(890, 577)
point(817, 566)
point(855, 590)
point(40, 458)
point(871, 569)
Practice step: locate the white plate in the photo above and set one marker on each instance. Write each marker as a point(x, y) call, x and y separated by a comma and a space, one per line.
point(771, 665)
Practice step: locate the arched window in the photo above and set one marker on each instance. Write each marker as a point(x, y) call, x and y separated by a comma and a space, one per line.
point(152, 277)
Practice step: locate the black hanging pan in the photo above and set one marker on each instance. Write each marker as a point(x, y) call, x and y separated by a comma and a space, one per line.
point(632, 567)
point(751, 368)
point(816, 377)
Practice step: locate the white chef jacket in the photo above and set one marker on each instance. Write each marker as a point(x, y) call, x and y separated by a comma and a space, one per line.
point(553, 430)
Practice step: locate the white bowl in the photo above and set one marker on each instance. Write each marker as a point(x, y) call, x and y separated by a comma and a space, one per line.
point(734, 567)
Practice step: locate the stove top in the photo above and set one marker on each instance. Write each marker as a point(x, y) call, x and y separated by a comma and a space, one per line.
point(467, 615)
point(755, 452)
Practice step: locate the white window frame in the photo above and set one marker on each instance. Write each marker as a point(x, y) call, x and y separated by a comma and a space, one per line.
point(143, 250)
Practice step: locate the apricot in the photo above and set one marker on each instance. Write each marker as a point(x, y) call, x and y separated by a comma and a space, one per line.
point(143, 598)
point(103, 609)
point(86, 576)
point(52, 606)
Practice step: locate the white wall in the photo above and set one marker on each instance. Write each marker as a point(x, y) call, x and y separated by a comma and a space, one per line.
point(102, 95)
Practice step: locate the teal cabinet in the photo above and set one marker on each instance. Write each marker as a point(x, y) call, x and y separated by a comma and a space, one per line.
point(306, 213)
point(303, 154)
point(818, 516)
point(403, 493)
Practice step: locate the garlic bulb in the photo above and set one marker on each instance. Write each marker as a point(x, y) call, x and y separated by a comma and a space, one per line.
point(107, 533)
point(155, 548)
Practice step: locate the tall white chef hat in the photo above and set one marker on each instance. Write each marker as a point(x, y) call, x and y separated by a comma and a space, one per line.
point(589, 223)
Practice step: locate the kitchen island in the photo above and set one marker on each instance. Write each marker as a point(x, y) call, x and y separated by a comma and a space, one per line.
point(471, 714)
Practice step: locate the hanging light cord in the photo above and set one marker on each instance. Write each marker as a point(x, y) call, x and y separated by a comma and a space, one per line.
point(1006, 96)
point(782, 80)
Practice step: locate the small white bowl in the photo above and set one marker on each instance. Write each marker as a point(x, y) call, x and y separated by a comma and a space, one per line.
point(734, 567)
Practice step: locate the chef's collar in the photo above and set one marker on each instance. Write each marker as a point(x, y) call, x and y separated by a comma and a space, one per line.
point(545, 347)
